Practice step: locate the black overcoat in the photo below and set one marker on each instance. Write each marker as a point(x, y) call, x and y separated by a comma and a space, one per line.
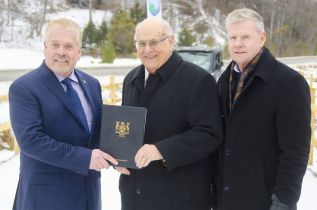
point(183, 121)
point(267, 138)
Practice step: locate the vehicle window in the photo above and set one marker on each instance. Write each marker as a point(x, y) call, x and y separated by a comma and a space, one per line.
point(201, 59)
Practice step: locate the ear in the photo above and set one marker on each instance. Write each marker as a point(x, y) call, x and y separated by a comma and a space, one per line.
point(171, 40)
point(263, 38)
point(79, 54)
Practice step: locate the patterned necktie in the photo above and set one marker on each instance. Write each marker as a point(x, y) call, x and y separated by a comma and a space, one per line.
point(74, 98)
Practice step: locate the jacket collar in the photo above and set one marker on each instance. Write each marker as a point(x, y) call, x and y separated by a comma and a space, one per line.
point(165, 71)
point(263, 70)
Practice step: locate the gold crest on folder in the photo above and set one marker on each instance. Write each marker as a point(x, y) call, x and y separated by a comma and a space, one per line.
point(122, 128)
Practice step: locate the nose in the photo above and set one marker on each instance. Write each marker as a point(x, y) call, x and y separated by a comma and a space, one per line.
point(148, 48)
point(238, 42)
point(60, 51)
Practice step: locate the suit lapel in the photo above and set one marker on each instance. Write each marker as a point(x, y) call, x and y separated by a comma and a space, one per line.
point(52, 83)
point(88, 94)
point(87, 91)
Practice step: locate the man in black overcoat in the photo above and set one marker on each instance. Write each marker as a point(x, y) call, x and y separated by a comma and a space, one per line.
point(183, 126)
point(266, 112)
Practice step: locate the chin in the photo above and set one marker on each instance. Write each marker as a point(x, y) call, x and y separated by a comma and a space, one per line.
point(62, 70)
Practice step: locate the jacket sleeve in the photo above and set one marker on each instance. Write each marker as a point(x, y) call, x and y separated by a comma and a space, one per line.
point(204, 133)
point(293, 133)
point(27, 123)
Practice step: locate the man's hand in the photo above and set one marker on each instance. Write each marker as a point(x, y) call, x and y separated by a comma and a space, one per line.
point(99, 160)
point(122, 170)
point(146, 154)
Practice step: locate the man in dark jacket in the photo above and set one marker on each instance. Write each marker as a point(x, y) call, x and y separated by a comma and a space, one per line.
point(266, 113)
point(183, 126)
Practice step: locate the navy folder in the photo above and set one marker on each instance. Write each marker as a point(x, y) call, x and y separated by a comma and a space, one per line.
point(122, 132)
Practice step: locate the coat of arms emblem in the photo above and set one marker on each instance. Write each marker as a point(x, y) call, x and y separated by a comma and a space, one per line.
point(122, 128)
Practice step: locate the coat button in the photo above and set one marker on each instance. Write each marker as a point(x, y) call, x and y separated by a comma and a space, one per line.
point(228, 152)
point(226, 188)
point(138, 191)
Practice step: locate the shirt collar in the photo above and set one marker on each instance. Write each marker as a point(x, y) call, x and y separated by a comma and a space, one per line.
point(72, 76)
point(146, 74)
point(236, 68)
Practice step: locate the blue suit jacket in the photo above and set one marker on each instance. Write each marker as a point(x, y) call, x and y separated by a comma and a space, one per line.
point(55, 149)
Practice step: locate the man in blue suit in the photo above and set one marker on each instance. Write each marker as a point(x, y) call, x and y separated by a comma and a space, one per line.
point(55, 114)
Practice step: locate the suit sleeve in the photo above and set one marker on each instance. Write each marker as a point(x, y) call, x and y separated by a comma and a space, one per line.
point(26, 120)
point(293, 133)
point(204, 133)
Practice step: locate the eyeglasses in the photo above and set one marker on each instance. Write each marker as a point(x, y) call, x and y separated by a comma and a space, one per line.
point(151, 43)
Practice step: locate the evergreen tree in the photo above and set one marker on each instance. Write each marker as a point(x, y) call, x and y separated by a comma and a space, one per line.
point(101, 33)
point(137, 13)
point(108, 52)
point(209, 41)
point(121, 33)
point(186, 38)
point(89, 35)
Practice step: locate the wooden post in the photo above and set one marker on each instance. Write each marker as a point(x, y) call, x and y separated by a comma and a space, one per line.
point(113, 88)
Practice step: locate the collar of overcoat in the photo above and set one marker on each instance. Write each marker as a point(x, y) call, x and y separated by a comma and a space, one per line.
point(165, 71)
point(263, 70)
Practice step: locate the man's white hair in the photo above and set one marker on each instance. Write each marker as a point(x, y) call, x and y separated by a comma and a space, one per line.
point(66, 24)
point(244, 14)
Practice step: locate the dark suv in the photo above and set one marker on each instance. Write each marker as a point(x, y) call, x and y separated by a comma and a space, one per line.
point(209, 59)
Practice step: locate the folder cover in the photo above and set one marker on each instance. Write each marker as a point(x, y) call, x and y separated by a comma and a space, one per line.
point(122, 132)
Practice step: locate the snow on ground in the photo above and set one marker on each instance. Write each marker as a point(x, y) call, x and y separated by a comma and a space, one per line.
point(9, 172)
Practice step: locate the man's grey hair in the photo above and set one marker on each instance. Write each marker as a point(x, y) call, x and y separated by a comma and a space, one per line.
point(167, 28)
point(244, 14)
point(66, 24)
